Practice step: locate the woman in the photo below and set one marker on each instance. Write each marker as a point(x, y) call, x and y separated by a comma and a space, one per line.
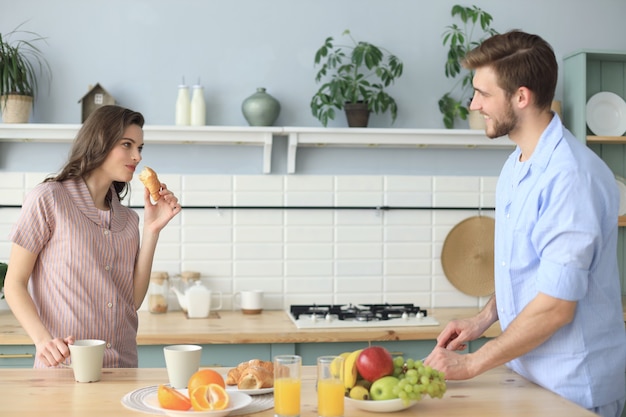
point(76, 269)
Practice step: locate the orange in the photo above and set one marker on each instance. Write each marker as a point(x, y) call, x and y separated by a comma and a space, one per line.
point(172, 399)
point(205, 377)
point(209, 397)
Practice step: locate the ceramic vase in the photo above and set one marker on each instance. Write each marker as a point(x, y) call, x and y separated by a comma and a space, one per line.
point(260, 109)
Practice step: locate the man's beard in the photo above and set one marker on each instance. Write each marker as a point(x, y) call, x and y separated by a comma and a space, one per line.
point(504, 125)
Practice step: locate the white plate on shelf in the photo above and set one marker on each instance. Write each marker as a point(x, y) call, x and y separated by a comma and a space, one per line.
point(606, 114)
point(621, 184)
point(383, 406)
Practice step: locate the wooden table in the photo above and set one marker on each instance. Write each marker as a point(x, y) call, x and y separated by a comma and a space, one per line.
point(53, 393)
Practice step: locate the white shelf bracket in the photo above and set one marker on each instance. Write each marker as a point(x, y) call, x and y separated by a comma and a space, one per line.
point(291, 152)
point(267, 152)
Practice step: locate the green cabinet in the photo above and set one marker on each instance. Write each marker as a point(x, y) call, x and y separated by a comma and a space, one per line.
point(586, 73)
point(17, 356)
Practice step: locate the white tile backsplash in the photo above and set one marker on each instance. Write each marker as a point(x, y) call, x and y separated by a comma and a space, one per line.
point(310, 254)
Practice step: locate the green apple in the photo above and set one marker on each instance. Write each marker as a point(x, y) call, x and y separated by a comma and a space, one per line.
point(382, 389)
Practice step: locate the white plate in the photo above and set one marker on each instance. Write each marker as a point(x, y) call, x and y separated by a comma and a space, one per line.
point(261, 391)
point(606, 114)
point(621, 184)
point(237, 400)
point(384, 406)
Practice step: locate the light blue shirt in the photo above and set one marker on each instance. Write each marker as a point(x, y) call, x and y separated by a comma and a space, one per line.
point(556, 233)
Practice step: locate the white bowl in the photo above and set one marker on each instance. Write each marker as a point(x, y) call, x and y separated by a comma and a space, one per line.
point(382, 406)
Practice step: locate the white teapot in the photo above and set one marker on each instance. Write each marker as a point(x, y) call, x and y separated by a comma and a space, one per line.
point(196, 300)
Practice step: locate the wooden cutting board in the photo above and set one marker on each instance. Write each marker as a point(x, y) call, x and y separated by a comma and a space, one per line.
point(467, 256)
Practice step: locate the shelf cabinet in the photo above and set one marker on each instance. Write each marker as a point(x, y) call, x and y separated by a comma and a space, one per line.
point(586, 73)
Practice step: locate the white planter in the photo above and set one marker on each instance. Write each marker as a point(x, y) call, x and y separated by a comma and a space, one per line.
point(15, 108)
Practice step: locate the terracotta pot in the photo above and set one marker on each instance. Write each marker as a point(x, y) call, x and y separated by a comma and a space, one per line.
point(15, 108)
point(357, 114)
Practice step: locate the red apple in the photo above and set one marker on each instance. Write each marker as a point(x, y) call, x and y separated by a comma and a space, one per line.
point(374, 362)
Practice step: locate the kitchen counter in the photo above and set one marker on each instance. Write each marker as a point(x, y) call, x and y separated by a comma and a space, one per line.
point(274, 326)
point(53, 393)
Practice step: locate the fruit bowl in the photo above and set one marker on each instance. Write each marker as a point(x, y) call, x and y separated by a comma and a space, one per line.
point(381, 406)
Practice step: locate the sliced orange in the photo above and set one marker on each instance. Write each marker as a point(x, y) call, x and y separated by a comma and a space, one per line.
point(209, 397)
point(205, 377)
point(172, 399)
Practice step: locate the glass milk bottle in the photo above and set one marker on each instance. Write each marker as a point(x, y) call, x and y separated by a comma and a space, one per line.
point(183, 106)
point(198, 107)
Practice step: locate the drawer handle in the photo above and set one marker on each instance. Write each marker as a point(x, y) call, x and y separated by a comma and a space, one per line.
point(16, 355)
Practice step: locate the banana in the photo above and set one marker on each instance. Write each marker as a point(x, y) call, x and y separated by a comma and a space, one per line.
point(350, 372)
point(336, 366)
point(359, 392)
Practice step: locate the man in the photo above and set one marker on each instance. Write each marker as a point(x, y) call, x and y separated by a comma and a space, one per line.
point(557, 283)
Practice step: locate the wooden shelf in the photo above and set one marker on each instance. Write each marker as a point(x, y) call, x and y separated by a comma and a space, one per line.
point(263, 136)
point(617, 140)
point(621, 221)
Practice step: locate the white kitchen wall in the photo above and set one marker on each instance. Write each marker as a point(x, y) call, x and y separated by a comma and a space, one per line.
point(306, 255)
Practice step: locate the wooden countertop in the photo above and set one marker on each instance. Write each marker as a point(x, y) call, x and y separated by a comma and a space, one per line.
point(53, 393)
point(274, 326)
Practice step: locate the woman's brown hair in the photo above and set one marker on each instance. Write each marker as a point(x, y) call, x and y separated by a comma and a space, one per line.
point(102, 130)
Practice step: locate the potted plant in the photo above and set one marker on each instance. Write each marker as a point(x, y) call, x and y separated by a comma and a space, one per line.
point(461, 40)
point(355, 76)
point(21, 61)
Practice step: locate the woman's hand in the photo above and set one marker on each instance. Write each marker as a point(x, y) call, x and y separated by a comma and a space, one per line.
point(54, 351)
point(157, 215)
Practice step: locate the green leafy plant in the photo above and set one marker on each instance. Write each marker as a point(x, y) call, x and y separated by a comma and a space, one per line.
point(21, 61)
point(356, 73)
point(461, 40)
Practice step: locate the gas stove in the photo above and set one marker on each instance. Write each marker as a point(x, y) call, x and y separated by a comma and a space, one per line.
point(328, 316)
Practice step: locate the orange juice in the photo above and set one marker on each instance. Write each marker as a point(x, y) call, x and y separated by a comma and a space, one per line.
point(287, 397)
point(330, 394)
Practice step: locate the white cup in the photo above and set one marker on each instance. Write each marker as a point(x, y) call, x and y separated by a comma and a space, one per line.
point(250, 302)
point(181, 362)
point(86, 357)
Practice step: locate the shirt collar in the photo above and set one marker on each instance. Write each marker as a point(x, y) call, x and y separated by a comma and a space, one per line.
point(83, 201)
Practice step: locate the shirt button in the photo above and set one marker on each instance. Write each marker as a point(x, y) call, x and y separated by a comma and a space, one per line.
point(503, 263)
point(108, 267)
point(110, 305)
point(106, 232)
point(108, 345)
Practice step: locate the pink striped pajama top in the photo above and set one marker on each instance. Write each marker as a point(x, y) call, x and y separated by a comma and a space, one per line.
point(82, 281)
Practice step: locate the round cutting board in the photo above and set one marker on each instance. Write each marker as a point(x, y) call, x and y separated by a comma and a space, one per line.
point(467, 256)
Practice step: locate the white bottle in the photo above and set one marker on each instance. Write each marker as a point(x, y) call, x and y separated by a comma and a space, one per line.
point(198, 107)
point(183, 106)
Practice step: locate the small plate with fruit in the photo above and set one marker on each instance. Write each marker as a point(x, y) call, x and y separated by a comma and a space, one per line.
point(375, 381)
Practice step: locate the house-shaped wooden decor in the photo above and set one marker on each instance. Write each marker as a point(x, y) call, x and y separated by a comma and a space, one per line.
point(95, 97)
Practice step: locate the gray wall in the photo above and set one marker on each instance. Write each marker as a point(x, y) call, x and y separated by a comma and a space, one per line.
point(139, 49)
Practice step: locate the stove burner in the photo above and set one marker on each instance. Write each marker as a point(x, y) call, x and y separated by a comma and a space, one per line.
point(357, 312)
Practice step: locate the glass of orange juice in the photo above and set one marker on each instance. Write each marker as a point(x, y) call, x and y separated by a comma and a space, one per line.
point(330, 387)
point(287, 383)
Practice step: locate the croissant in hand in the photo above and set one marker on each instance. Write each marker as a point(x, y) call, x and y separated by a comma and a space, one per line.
point(150, 179)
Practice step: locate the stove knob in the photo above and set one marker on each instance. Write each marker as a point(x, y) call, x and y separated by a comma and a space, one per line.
point(313, 318)
point(405, 316)
point(419, 315)
point(328, 317)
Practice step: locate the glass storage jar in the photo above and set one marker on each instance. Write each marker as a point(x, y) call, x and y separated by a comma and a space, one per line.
point(158, 292)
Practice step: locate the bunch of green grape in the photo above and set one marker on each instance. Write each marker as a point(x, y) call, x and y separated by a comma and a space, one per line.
point(417, 379)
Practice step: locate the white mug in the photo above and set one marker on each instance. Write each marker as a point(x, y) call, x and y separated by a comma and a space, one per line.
point(250, 302)
point(181, 361)
point(86, 357)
